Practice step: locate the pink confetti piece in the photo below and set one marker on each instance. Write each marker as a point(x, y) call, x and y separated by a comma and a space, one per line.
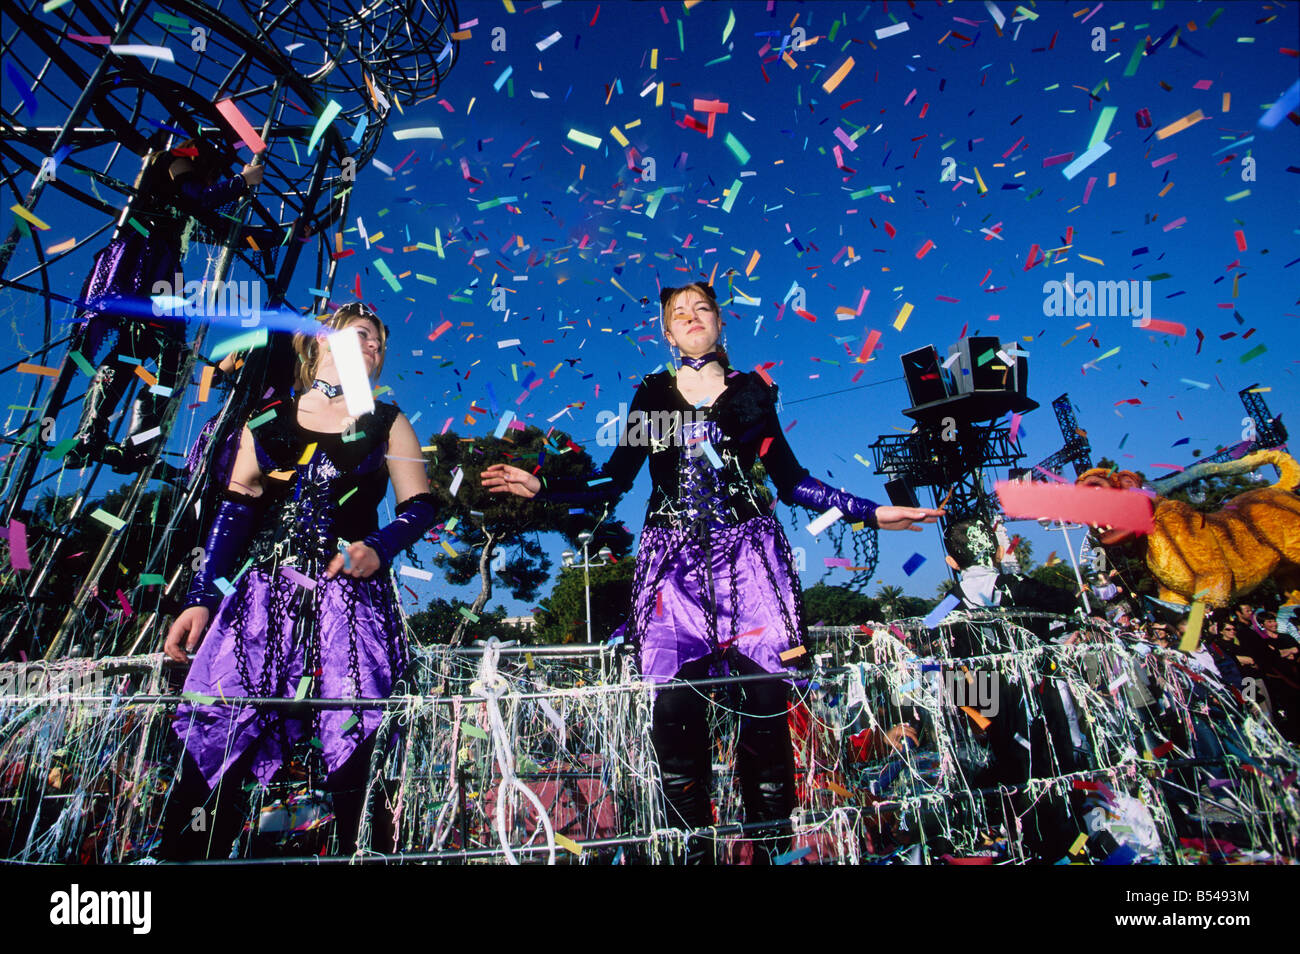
point(18, 556)
point(1093, 505)
point(1181, 220)
point(242, 127)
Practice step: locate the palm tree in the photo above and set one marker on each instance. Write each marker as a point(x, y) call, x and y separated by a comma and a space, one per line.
point(890, 599)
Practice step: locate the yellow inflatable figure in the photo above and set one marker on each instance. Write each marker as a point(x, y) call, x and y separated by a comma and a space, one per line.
point(1218, 557)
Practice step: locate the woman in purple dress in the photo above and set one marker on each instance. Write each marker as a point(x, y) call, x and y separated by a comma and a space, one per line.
point(715, 589)
point(311, 610)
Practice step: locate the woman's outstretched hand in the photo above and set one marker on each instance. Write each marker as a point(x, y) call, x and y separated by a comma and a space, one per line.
point(903, 518)
point(504, 479)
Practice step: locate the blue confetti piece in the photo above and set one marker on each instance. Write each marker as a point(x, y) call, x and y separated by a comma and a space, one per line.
point(913, 563)
point(940, 612)
point(791, 856)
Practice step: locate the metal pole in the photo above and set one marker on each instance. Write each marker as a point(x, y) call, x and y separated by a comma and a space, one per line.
point(586, 586)
point(1069, 548)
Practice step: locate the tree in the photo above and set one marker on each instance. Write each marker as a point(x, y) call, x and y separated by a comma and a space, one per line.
point(481, 524)
point(825, 605)
point(562, 617)
point(890, 599)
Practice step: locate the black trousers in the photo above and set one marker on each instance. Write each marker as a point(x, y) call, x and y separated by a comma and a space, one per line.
point(764, 762)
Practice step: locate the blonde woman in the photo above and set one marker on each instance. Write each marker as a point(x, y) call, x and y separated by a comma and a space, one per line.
point(299, 535)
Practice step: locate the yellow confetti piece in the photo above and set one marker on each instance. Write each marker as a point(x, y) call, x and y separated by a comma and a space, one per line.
point(659, 95)
point(450, 551)
point(1078, 843)
point(22, 213)
point(837, 77)
point(752, 262)
point(568, 844)
point(61, 247)
point(1227, 102)
point(1089, 258)
point(654, 58)
point(618, 136)
point(307, 454)
point(980, 180)
point(1192, 637)
point(904, 313)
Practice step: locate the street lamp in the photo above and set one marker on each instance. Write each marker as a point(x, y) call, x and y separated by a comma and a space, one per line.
point(604, 554)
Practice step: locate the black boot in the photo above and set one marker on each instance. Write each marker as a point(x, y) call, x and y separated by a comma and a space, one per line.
point(106, 389)
point(765, 763)
point(681, 740)
point(200, 823)
point(131, 457)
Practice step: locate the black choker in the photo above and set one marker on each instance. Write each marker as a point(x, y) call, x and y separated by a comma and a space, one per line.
point(330, 390)
point(702, 360)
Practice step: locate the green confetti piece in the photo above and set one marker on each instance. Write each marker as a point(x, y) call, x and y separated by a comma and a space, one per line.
point(731, 23)
point(349, 724)
point(734, 191)
point(472, 617)
point(322, 124)
point(261, 419)
point(198, 699)
point(106, 518)
point(985, 358)
point(60, 450)
point(355, 436)
point(80, 361)
point(245, 342)
point(152, 579)
point(303, 685)
point(1133, 61)
point(473, 731)
point(1254, 352)
point(1103, 125)
point(344, 498)
point(737, 150)
point(138, 227)
point(166, 19)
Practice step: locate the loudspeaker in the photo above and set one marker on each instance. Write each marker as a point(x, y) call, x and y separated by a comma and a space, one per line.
point(925, 379)
point(901, 493)
point(993, 374)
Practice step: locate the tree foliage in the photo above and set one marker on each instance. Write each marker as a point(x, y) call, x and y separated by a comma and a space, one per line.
point(562, 618)
point(825, 605)
point(478, 524)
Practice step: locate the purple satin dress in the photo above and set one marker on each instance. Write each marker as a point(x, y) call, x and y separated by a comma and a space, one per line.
point(344, 635)
point(705, 584)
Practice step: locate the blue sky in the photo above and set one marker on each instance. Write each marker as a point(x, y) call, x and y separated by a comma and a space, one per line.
point(577, 239)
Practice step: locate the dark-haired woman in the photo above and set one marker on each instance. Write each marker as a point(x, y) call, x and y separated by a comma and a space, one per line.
point(716, 590)
point(296, 585)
